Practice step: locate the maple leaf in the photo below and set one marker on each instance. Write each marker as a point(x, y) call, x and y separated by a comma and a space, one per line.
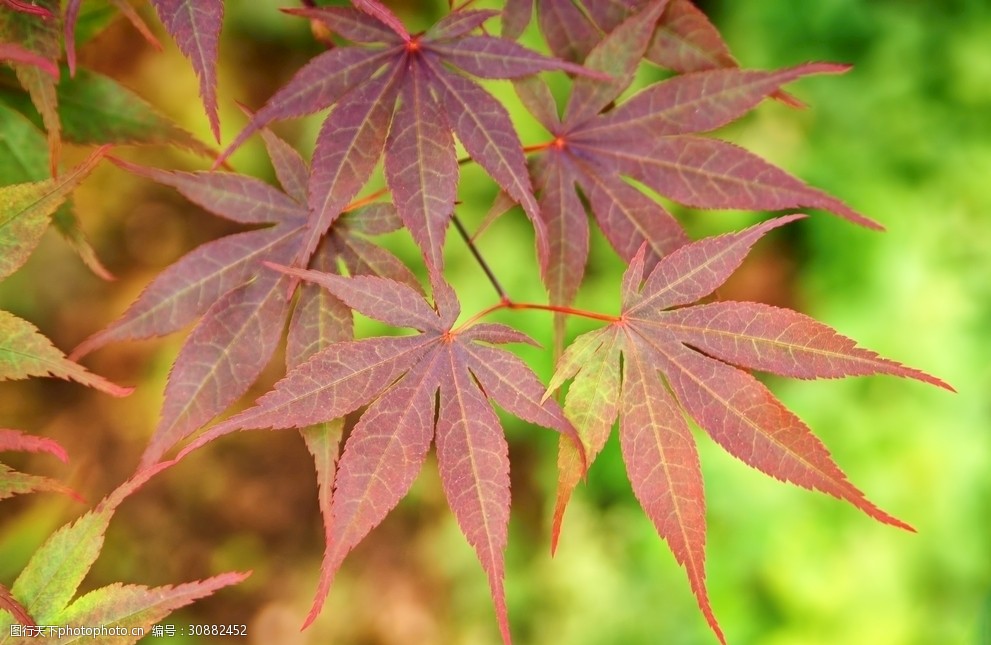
point(651, 137)
point(396, 94)
point(14, 483)
point(241, 308)
point(27, 208)
point(703, 352)
point(432, 386)
point(43, 592)
point(683, 41)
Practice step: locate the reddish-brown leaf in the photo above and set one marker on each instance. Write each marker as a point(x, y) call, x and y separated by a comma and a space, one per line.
point(354, 25)
point(220, 360)
point(616, 55)
point(657, 337)
point(290, 168)
point(433, 100)
point(400, 377)
point(473, 459)
point(382, 13)
point(459, 23)
point(663, 466)
point(761, 337)
point(243, 305)
point(484, 128)
point(515, 17)
point(697, 102)
point(567, 228)
point(17, 440)
point(421, 167)
point(708, 173)
point(381, 459)
point(195, 26)
point(348, 147)
point(648, 138)
point(318, 85)
point(569, 33)
point(686, 41)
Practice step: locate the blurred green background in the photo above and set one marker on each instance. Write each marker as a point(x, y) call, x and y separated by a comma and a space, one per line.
point(905, 137)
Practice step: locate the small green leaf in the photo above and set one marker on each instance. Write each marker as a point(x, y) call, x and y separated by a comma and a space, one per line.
point(25, 210)
point(95, 109)
point(24, 352)
point(135, 607)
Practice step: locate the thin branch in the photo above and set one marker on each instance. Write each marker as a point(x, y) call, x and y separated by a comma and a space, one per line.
point(506, 303)
point(365, 201)
point(478, 257)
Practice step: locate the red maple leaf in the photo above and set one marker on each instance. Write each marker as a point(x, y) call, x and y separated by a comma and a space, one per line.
point(407, 96)
point(242, 306)
point(662, 360)
point(433, 386)
point(652, 138)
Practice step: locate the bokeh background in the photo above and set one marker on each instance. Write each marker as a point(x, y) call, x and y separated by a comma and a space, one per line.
point(905, 137)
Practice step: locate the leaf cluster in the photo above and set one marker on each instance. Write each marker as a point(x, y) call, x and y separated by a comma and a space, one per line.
point(307, 260)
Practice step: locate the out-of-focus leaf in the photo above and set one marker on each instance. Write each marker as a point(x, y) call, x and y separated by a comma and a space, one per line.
point(24, 353)
point(25, 211)
point(41, 37)
point(46, 586)
point(16, 54)
point(23, 158)
point(96, 20)
point(14, 483)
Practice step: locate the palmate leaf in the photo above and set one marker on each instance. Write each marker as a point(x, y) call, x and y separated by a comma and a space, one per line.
point(241, 307)
point(431, 386)
point(398, 94)
point(44, 590)
point(679, 360)
point(684, 40)
point(651, 137)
